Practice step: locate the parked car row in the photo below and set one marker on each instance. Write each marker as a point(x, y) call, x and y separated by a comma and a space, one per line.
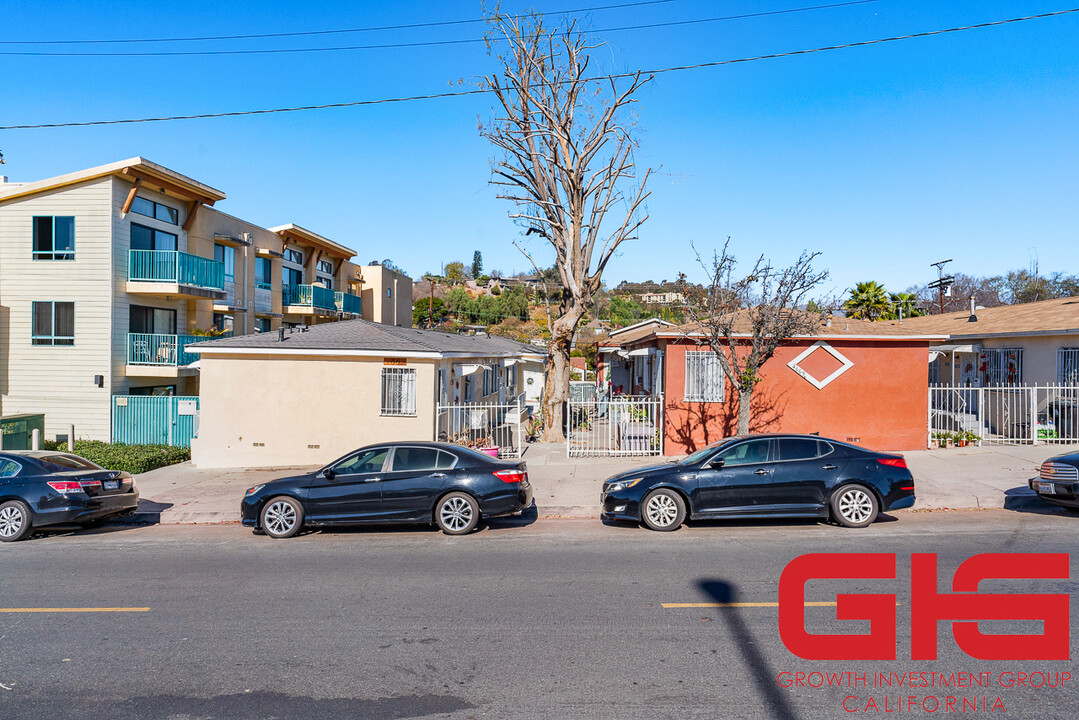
point(455, 488)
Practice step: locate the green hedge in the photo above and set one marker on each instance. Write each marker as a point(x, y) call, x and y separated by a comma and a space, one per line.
point(132, 458)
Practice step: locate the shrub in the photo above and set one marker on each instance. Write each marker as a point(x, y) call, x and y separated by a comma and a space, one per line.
point(130, 458)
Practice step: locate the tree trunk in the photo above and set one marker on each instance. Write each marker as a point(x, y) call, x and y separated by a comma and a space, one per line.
point(745, 402)
point(556, 380)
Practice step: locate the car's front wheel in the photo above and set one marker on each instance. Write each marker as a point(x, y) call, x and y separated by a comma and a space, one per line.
point(663, 510)
point(15, 523)
point(282, 517)
point(854, 506)
point(457, 514)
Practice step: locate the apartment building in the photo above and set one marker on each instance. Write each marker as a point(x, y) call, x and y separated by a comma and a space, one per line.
point(107, 274)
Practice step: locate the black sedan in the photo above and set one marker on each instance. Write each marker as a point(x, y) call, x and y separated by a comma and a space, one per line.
point(1058, 481)
point(763, 475)
point(407, 482)
point(39, 488)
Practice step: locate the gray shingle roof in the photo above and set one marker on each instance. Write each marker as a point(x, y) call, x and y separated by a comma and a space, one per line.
point(375, 337)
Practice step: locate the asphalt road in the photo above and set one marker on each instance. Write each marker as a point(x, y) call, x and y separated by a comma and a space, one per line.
point(556, 619)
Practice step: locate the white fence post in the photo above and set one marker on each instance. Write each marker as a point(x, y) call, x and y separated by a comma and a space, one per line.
point(35, 439)
point(71, 438)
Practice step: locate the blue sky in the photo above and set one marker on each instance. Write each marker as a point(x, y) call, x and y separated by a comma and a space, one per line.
point(884, 158)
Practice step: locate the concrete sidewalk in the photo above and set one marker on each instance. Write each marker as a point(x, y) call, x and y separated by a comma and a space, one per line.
point(957, 478)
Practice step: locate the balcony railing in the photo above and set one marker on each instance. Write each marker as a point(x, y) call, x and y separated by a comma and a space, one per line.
point(308, 296)
point(347, 302)
point(155, 349)
point(172, 266)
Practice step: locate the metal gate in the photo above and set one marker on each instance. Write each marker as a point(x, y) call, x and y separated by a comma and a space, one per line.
point(155, 420)
point(487, 426)
point(617, 426)
point(1004, 414)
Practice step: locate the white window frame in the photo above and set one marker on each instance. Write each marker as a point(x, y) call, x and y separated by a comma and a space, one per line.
point(1068, 366)
point(398, 392)
point(710, 388)
point(995, 372)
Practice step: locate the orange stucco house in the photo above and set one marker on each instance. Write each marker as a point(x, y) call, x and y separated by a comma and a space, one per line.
point(854, 381)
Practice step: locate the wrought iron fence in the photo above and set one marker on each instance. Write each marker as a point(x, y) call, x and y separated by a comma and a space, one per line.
point(1004, 414)
point(496, 428)
point(617, 426)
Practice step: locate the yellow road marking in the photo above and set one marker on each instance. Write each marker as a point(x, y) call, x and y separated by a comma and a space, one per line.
point(74, 610)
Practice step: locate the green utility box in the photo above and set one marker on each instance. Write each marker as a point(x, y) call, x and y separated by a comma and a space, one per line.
point(16, 430)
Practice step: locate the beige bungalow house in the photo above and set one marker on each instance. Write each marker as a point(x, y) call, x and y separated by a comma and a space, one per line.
point(304, 397)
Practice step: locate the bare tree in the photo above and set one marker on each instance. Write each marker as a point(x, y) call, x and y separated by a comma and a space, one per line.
point(567, 165)
point(743, 320)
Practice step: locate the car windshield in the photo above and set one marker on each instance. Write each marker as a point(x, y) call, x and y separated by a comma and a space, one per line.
point(68, 462)
point(699, 455)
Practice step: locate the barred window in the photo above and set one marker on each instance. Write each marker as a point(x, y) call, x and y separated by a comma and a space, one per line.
point(1068, 366)
point(704, 376)
point(1001, 367)
point(398, 391)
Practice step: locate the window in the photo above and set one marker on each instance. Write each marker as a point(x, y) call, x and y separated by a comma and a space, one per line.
point(226, 254)
point(53, 323)
point(798, 449)
point(748, 453)
point(153, 390)
point(411, 459)
point(263, 273)
point(511, 378)
point(704, 376)
point(1001, 367)
point(389, 292)
point(291, 276)
point(262, 324)
point(68, 462)
point(294, 256)
point(144, 238)
point(223, 322)
point(151, 320)
point(1068, 366)
point(443, 386)
point(398, 391)
point(9, 468)
point(325, 266)
point(54, 238)
point(156, 210)
point(369, 461)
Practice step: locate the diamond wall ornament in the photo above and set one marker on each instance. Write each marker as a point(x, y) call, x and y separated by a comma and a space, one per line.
point(844, 366)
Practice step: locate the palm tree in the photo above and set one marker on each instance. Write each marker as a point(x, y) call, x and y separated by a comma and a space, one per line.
point(868, 301)
point(909, 302)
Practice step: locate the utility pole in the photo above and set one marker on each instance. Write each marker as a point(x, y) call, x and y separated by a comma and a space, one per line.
point(942, 283)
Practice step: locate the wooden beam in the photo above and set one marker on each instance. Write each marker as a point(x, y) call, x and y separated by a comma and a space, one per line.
point(191, 214)
point(169, 186)
point(131, 197)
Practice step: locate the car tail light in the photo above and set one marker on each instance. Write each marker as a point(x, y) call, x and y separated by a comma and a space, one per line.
point(66, 486)
point(511, 476)
point(898, 462)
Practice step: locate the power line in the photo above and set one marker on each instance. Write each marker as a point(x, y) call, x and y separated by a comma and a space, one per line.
point(426, 43)
point(410, 26)
point(461, 93)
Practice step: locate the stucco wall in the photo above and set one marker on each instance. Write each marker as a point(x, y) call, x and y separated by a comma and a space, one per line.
point(288, 410)
point(881, 402)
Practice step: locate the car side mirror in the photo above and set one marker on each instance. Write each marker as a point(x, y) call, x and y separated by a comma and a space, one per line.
point(716, 464)
point(329, 473)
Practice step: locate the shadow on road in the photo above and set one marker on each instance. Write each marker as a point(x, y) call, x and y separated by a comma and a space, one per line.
point(1022, 499)
point(764, 676)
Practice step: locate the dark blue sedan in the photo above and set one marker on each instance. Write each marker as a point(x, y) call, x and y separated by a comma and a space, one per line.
point(763, 476)
point(407, 482)
point(40, 488)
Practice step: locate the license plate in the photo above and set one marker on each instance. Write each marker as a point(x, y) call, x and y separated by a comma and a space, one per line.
point(1047, 488)
point(110, 485)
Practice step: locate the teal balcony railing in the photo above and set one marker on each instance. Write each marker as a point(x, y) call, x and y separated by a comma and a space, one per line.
point(308, 296)
point(156, 349)
point(346, 302)
point(175, 267)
